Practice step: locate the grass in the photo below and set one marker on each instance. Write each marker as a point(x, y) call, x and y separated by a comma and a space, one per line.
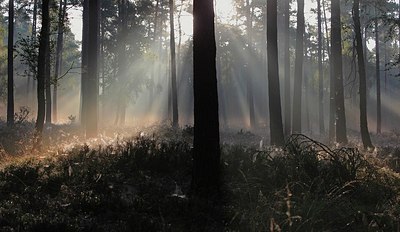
point(142, 184)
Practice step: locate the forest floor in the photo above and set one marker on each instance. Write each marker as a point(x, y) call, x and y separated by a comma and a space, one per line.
point(135, 179)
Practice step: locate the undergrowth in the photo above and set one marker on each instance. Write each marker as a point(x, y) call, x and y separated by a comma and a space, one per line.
point(143, 184)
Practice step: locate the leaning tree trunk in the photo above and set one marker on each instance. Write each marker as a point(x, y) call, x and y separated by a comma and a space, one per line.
point(10, 61)
point(206, 153)
point(92, 82)
point(336, 52)
point(276, 127)
point(363, 78)
point(175, 121)
point(43, 48)
point(298, 70)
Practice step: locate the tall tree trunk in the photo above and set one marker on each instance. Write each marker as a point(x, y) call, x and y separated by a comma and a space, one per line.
point(336, 52)
point(92, 83)
point(248, 76)
point(43, 48)
point(47, 85)
point(10, 62)
point(298, 70)
point(287, 67)
point(31, 87)
point(362, 76)
point(175, 122)
point(84, 65)
point(59, 51)
point(275, 110)
point(320, 72)
point(206, 154)
point(378, 78)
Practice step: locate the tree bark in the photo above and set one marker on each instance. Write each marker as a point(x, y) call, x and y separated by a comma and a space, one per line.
point(92, 83)
point(336, 52)
point(287, 68)
point(84, 65)
point(249, 80)
point(297, 107)
point(362, 77)
point(59, 51)
point(206, 154)
point(43, 48)
point(378, 78)
point(276, 127)
point(175, 115)
point(10, 64)
point(320, 72)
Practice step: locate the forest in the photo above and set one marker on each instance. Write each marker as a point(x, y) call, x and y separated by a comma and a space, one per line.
point(199, 115)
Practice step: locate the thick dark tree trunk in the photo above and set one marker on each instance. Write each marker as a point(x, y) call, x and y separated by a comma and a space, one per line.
point(84, 65)
point(92, 83)
point(175, 117)
point(336, 52)
point(298, 70)
point(287, 68)
point(206, 153)
point(41, 75)
point(320, 72)
point(275, 111)
point(59, 51)
point(378, 79)
point(362, 76)
point(10, 62)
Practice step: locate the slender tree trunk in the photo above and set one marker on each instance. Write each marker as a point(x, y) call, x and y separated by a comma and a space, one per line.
point(336, 52)
point(10, 62)
point(287, 68)
point(206, 154)
point(249, 80)
point(84, 65)
point(43, 48)
point(30, 87)
point(362, 76)
point(47, 85)
point(175, 121)
point(297, 107)
point(92, 83)
point(320, 72)
point(378, 79)
point(59, 51)
point(276, 126)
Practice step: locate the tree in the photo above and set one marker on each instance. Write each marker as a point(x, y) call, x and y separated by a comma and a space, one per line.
point(10, 61)
point(286, 61)
point(41, 74)
point(247, 69)
point(320, 72)
point(378, 77)
point(175, 117)
point(298, 70)
point(206, 154)
point(336, 65)
point(362, 76)
point(276, 127)
point(59, 50)
point(84, 64)
point(92, 87)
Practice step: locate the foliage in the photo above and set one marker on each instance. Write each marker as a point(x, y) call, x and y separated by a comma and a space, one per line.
point(142, 184)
